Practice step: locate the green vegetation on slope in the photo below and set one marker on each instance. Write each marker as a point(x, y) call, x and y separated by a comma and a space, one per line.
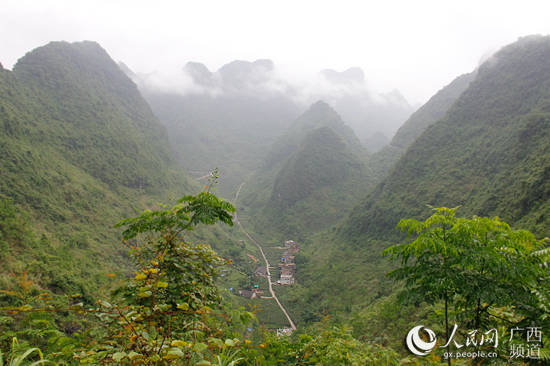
point(170, 311)
point(435, 109)
point(490, 154)
point(92, 113)
point(80, 149)
point(310, 178)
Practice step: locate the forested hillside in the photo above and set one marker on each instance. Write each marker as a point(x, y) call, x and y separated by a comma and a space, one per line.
point(435, 109)
point(80, 149)
point(489, 154)
point(310, 178)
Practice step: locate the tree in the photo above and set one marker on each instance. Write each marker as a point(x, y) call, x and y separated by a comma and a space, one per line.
point(169, 312)
point(496, 267)
point(480, 265)
point(173, 271)
point(428, 263)
point(169, 309)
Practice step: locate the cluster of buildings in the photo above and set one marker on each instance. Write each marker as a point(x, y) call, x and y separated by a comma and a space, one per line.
point(251, 294)
point(286, 331)
point(288, 265)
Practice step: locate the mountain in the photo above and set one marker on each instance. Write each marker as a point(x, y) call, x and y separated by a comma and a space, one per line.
point(227, 117)
point(310, 176)
point(319, 114)
point(319, 161)
point(376, 142)
point(95, 113)
point(226, 120)
point(80, 149)
point(241, 75)
point(370, 114)
point(488, 154)
point(435, 109)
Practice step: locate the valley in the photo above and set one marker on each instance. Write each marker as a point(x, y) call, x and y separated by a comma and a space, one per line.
point(267, 267)
point(244, 221)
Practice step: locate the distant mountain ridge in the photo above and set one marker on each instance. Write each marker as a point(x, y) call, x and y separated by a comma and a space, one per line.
point(319, 114)
point(227, 117)
point(370, 114)
point(227, 127)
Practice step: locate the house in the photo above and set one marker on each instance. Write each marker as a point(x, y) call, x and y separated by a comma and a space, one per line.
point(261, 271)
point(287, 265)
point(248, 294)
point(286, 279)
point(257, 291)
point(288, 259)
point(292, 250)
point(286, 271)
point(284, 332)
point(291, 247)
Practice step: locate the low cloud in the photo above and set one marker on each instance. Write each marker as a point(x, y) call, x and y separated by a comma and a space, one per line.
point(260, 79)
point(367, 111)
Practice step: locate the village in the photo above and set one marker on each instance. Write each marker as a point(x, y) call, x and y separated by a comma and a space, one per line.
point(287, 271)
point(288, 265)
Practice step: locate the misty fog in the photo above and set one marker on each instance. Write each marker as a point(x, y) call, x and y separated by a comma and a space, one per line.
point(375, 116)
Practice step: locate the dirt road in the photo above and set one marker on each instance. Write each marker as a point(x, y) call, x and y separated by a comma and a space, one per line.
point(270, 285)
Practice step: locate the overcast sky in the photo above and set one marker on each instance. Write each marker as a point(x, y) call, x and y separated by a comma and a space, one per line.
point(414, 46)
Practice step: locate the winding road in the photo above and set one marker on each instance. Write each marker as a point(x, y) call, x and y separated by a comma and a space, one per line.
point(290, 322)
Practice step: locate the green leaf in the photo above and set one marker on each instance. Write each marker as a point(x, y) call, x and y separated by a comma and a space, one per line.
point(183, 306)
point(179, 344)
point(119, 356)
point(133, 355)
point(174, 353)
point(199, 347)
point(229, 343)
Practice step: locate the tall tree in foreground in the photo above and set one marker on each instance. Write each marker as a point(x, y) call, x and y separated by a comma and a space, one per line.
point(428, 263)
point(172, 310)
point(479, 265)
